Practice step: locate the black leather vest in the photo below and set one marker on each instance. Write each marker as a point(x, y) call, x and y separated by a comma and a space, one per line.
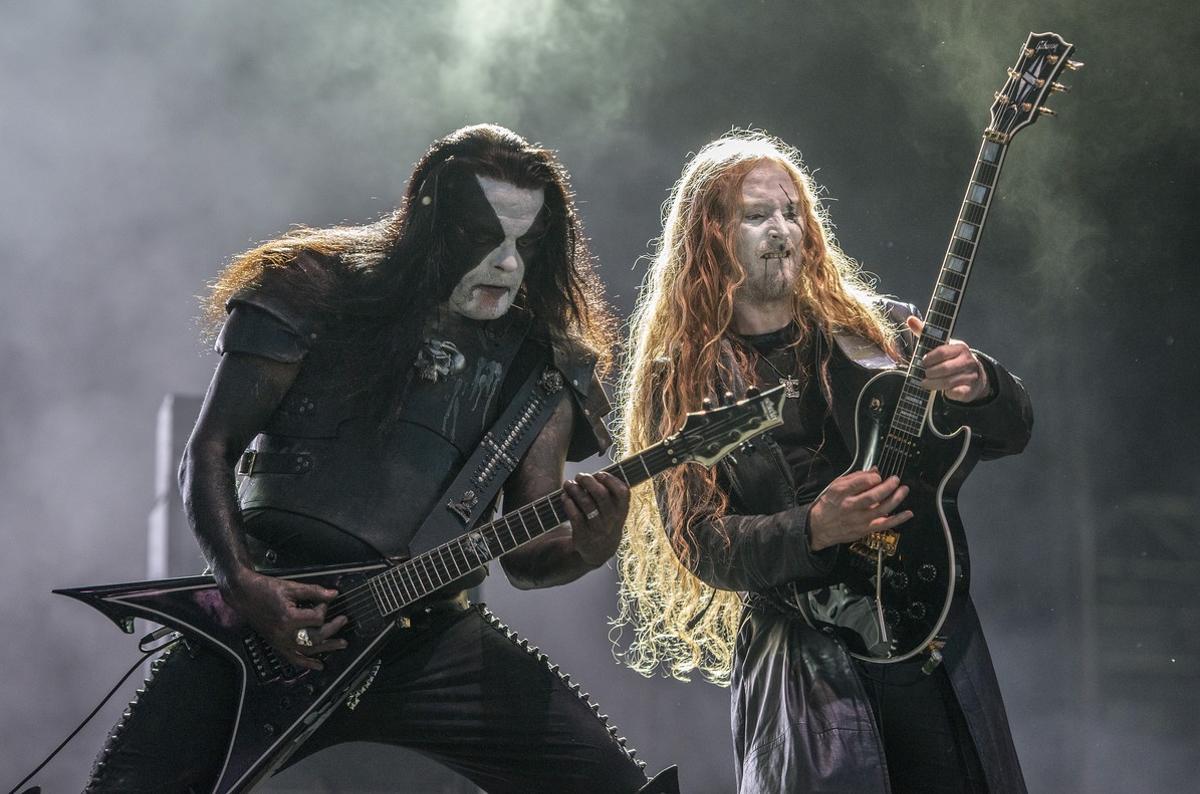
point(355, 480)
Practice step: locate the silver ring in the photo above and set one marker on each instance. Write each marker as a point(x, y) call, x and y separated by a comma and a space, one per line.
point(302, 638)
point(592, 515)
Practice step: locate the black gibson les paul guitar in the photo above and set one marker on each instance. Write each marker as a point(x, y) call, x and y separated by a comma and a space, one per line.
point(894, 603)
point(279, 705)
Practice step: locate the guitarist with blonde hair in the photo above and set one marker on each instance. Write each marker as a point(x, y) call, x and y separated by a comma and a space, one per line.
point(747, 287)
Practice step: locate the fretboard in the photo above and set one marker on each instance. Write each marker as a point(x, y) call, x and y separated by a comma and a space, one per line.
point(948, 292)
point(426, 573)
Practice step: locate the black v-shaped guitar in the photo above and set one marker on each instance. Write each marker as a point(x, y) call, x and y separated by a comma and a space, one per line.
point(280, 705)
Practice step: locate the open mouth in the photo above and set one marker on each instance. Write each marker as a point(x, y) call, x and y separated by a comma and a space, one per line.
point(777, 255)
point(492, 290)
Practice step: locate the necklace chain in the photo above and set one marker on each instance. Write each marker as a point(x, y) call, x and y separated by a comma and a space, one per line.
point(790, 383)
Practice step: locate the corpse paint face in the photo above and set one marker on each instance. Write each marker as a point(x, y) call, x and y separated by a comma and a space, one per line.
point(498, 226)
point(769, 234)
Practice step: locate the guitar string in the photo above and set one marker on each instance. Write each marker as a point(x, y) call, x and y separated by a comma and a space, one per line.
point(362, 596)
point(894, 458)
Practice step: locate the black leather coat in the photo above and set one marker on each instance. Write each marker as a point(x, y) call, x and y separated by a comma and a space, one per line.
point(801, 719)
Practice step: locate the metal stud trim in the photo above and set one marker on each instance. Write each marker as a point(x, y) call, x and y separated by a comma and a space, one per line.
point(544, 660)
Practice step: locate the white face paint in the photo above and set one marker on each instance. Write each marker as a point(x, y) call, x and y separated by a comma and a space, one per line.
point(486, 292)
point(769, 235)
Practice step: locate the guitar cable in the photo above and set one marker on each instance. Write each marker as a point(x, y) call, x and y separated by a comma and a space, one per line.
point(146, 652)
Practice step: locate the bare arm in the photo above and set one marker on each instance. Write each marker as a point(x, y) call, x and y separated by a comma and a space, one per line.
point(564, 554)
point(244, 392)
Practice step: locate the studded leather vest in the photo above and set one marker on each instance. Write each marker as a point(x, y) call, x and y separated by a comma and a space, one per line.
point(330, 461)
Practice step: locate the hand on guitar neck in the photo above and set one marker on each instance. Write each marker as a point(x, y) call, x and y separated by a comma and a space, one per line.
point(953, 369)
point(596, 506)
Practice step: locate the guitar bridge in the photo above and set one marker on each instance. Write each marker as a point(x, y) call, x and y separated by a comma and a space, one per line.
point(266, 663)
point(887, 541)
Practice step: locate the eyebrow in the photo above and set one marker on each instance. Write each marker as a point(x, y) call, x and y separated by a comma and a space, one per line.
point(791, 201)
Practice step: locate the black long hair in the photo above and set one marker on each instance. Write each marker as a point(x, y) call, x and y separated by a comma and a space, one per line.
point(376, 284)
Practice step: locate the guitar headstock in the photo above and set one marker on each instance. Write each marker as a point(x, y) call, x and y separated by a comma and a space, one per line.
point(707, 436)
point(1030, 82)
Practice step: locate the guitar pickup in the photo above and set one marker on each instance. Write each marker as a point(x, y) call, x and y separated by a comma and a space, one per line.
point(266, 663)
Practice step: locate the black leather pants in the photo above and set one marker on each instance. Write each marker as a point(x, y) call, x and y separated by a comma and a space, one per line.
point(461, 689)
point(926, 741)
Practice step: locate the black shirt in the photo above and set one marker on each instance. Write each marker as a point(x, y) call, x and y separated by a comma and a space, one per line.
point(809, 439)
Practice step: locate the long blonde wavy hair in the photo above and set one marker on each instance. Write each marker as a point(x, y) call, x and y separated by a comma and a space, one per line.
point(684, 311)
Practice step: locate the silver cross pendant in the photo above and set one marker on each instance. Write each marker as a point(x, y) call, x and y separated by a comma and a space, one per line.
point(791, 387)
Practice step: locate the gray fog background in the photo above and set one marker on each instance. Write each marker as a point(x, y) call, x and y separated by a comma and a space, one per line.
point(142, 143)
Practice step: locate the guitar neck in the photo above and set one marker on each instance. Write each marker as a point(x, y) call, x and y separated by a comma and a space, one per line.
point(428, 572)
point(952, 279)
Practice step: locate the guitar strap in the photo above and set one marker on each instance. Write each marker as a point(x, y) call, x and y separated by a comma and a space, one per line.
point(495, 458)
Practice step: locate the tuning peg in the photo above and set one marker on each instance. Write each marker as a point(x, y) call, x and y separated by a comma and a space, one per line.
point(1060, 88)
point(706, 404)
point(1045, 111)
point(752, 392)
point(1075, 66)
point(727, 398)
point(1013, 73)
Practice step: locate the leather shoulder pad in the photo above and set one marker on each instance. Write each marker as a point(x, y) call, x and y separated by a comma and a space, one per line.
point(269, 301)
point(254, 330)
point(898, 311)
point(589, 436)
point(577, 364)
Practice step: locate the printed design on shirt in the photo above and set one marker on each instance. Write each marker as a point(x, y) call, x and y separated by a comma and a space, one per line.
point(477, 393)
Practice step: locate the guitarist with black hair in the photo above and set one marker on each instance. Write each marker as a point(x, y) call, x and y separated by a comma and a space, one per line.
point(367, 364)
